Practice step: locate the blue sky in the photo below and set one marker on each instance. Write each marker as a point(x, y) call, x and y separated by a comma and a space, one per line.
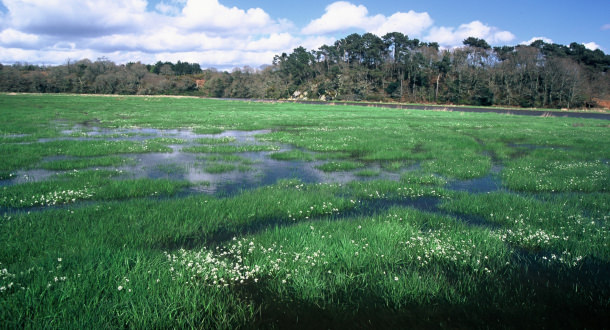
point(227, 34)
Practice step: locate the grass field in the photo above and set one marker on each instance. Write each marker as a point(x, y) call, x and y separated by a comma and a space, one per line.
point(182, 212)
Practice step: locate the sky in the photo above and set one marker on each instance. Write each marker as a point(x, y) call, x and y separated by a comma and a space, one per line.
point(227, 34)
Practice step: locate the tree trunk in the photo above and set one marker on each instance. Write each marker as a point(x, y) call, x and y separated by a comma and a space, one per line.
point(401, 80)
point(438, 78)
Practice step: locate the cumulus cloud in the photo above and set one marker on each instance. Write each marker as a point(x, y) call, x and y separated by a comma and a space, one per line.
point(201, 31)
point(316, 41)
point(409, 23)
point(342, 15)
point(274, 41)
point(51, 31)
point(167, 39)
point(45, 56)
point(449, 36)
point(591, 45)
point(18, 39)
point(214, 17)
point(529, 42)
point(75, 17)
point(168, 9)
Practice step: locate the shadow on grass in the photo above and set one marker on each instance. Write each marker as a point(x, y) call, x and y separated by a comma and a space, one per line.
point(532, 296)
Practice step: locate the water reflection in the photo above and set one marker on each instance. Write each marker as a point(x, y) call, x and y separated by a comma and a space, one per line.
point(253, 169)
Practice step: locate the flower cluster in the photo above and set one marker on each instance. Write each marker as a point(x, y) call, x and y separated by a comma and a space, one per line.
point(566, 258)
point(124, 285)
point(528, 237)
point(6, 280)
point(241, 262)
point(327, 208)
point(527, 233)
point(222, 267)
point(558, 176)
point(11, 281)
point(48, 199)
point(459, 249)
point(418, 191)
point(57, 274)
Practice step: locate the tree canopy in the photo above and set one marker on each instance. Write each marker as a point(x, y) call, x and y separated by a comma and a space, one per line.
point(357, 67)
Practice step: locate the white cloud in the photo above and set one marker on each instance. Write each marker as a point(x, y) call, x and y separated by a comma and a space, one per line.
point(220, 59)
point(64, 46)
point(410, 23)
point(211, 16)
point(75, 17)
point(449, 36)
point(315, 42)
point(529, 42)
point(14, 38)
point(201, 31)
point(606, 27)
point(342, 15)
point(167, 9)
point(274, 41)
point(591, 45)
point(45, 56)
point(162, 40)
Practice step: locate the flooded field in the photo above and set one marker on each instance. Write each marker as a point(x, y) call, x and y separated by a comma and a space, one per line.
point(244, 170)
point(121, 212)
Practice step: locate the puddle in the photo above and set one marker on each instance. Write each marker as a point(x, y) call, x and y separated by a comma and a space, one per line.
point(23, 176)
point(260, 170)
point(489, 183)
point(125, 134)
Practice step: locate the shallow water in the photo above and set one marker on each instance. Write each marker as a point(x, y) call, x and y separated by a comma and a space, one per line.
point(486, 184)
point(258, 168)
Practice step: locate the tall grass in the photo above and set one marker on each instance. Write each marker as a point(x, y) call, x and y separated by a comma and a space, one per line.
point(98, 249)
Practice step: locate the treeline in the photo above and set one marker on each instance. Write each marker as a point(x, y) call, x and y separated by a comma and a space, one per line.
point(357, 67)
point(394, 67)
point(101, 77)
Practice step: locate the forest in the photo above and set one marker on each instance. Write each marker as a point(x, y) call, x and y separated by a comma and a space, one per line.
point(359, 67)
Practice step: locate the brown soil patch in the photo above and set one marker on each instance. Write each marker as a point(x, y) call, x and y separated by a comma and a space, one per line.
point(602, 103)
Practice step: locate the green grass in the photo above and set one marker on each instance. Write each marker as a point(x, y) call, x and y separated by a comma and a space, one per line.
point(395, 166)
point(207, 130)
point(335, 166)
point(230, 149)
point(331, 155)
point(99, 249)
point(556, 171)
point(292, 155)
point(17, 156)
point(86, 185)
point(217, 168)
point(222, 140)
point(225, 158)
point(546, 227)
point(223, 163)
point(167, 140)
point(422, 178)
point(82, 163)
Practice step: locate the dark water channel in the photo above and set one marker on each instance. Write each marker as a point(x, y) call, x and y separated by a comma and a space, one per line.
point(486, 184)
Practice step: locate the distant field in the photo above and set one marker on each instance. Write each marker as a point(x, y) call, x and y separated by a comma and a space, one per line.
point(182, 212)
